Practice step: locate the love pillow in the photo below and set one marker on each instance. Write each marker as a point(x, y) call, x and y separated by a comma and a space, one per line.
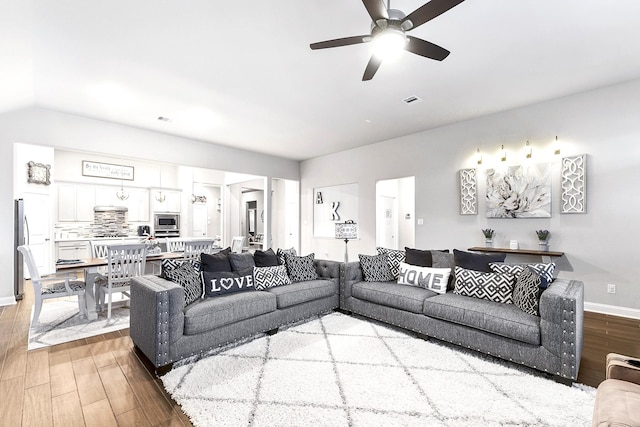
point(223, 282)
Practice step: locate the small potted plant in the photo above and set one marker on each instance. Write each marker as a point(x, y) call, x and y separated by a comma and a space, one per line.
point(543, 239)
point(488, 237)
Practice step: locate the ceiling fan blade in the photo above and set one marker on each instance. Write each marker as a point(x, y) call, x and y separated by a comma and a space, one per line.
point(426, 49)
point(372, 67)
point(430, 10)
point(345, 41)
point(377, 9)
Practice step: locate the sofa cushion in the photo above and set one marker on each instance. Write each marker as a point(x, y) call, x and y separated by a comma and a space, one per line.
point(477, 262)
point(526, 293)
point(281, 252)
point(375, 268)
point(434, 279)
point(545, 270)
point(394, 258)
point(187, 277)
point(505, 320)
point(266, 258)
point(216, 262)
point(270, 277)
point(391, 294)
point(210, 313)
point(224, 282)
point(490, 286)
point(301, 292)
point(242, 263)
point(301, 268)
point(418, 257)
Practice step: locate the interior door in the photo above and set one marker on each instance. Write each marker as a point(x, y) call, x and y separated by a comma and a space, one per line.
point(37, 210)
point(199, 220)
point(387, 232)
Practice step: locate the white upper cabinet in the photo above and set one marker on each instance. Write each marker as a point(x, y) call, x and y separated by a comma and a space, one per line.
point(171, 202)
point(138, 204)
point(75, 202)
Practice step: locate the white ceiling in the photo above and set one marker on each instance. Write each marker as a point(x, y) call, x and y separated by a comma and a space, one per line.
point(241, 72)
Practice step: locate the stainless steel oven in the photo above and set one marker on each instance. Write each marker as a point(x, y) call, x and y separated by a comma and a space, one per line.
point(166, 225)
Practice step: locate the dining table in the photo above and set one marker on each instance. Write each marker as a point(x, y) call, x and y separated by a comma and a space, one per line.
point(91, 269)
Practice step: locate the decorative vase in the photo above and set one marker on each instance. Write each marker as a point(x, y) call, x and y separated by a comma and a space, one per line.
point(488, 242)
point(543, 245)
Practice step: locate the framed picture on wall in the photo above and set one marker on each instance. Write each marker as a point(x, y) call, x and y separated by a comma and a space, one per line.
point(519, 191)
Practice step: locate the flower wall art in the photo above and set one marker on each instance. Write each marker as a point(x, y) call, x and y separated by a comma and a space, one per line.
point(519, 191)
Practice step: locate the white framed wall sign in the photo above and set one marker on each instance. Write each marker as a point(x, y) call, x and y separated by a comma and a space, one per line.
point(337, 203)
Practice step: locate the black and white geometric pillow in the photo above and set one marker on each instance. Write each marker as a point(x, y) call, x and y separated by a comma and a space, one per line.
point(529, 287)
point(187, 277)
point(300, 268)
point(490, 286)
point(375, 268)
point(394, 258)
point(281, 253)
point(545, 270)
point(171, 264)
point(269, 277)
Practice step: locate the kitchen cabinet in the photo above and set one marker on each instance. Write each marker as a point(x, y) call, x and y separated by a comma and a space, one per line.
point(75, 202)
point(106, 196)
point(73, 250)
point(138, 205)
point(171, 203)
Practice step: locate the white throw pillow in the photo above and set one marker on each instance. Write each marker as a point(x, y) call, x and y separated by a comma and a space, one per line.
point(434, 279)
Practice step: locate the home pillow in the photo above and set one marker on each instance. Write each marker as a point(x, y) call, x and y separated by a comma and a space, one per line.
point(187, 277)
point(394, 258)
point(242, 263)
point(269, 277)
point(490, 286)
point(171, 264)
point(300, 268)
point(281, 252)
point(218, 283)
point(216, 262)
point(545, 270)
point(477, 262)
point(434, 279)
point(529, 287)
point(418, 257)
point(375, 268)
point(266, 258)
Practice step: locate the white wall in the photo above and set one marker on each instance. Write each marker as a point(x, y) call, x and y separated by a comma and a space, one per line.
point(600, 245)
point(45, 127)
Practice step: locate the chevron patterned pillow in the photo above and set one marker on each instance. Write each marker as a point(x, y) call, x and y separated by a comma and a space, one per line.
point(545, 270)
point(300, 268)
point(375, 268)
point(394, 258)
point(187, 277)
point(269, 277)
point(490, 286)
point(529, 286)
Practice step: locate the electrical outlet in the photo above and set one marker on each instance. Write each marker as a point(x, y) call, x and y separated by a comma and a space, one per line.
point(611, 288)
point(420, 221)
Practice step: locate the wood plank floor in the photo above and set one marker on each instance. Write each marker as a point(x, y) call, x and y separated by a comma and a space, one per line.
point(100, 381)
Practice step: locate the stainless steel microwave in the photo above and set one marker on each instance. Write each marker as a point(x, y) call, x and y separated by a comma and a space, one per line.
point(163, 221)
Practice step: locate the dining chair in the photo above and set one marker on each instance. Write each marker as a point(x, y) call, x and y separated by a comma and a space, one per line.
point(237, 244)
point(123, 263)
point(51, 286)
point(175, 244)
point(99, 247)
point(193, 248)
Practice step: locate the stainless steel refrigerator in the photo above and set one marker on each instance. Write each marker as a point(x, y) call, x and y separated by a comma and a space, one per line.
point(21, 237)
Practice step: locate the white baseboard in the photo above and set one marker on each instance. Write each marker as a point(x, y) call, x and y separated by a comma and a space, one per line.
point(613, 310)
point(7, 301)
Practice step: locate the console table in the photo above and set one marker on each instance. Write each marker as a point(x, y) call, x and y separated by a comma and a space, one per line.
point(546, 255)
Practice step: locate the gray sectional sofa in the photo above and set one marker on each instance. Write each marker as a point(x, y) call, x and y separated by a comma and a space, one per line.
point(551, 342)
point(165, 330)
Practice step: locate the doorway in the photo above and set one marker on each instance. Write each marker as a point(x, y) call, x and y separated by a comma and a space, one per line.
point(395, 212)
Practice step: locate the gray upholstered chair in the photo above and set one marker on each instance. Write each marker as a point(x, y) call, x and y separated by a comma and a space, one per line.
point(618, 397)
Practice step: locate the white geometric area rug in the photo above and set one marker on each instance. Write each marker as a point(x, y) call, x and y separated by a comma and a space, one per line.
point(339, 370)
point(60, 322)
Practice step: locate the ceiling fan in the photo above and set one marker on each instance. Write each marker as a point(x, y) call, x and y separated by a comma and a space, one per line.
point(388, 32)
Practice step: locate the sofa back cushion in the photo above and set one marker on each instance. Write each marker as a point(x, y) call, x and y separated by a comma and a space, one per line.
point(266, 258)
point(477, 262)
point(216, 262)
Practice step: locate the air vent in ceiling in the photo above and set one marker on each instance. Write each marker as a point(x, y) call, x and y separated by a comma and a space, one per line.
point(411, 100)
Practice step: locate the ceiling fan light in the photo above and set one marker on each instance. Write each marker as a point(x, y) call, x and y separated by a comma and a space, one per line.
point(389, 43)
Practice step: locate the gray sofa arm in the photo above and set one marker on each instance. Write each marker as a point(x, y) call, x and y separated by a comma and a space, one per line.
point(561, 323)
point(328, 269)
point(157, 317)
point(350, 273)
